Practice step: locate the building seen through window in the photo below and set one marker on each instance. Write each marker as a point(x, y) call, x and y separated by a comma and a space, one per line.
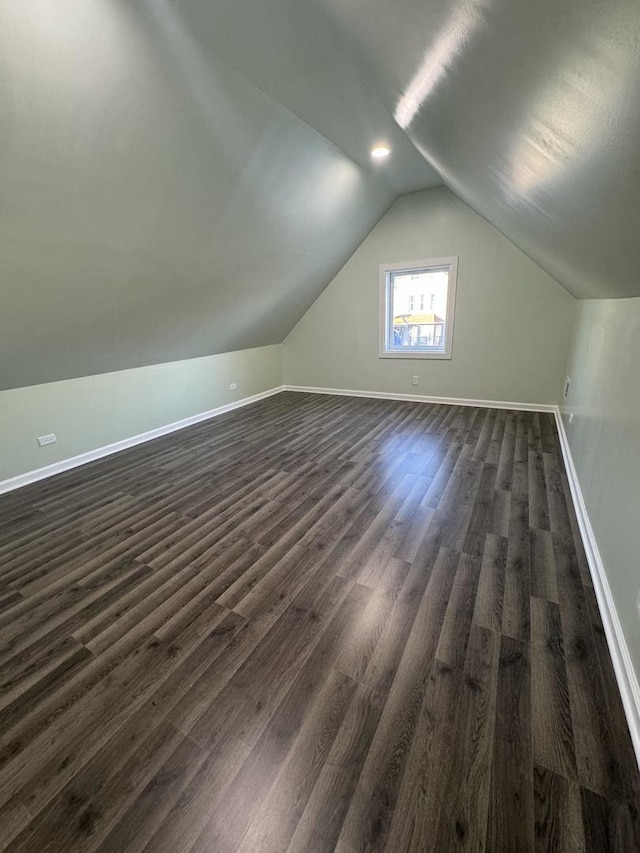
point(413, 325)
point(417, 312)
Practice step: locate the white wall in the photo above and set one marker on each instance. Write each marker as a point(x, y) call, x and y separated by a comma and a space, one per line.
point(94, 411)
point(605, 444)
point(512, 320)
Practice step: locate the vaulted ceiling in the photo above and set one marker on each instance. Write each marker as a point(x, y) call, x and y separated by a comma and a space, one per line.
point(184, 177)
point(530, 111)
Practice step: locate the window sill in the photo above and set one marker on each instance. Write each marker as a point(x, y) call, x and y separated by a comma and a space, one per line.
point(395, 354)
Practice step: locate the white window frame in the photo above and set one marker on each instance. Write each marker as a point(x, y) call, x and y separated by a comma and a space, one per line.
point(386, 316)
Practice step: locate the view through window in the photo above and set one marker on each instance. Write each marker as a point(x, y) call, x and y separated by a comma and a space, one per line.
point(417, 309)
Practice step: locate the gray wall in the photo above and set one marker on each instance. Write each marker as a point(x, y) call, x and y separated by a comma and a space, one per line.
point(156, 204)
point(93, 411)
point(512, 320)
point(605, 443)
point(530, 112)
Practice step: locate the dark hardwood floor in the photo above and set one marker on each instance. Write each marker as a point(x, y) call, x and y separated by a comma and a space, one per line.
point(314, 624)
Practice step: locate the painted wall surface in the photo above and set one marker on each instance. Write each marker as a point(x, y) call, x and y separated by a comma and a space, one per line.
point(512, 321)
point(530, 113)
point(156, 204)
point(605, 443)
point(93, 411)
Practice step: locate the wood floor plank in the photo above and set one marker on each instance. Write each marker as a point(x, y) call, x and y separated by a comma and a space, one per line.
point(317, 624)
point(463, 817)
point(414, 819)
point(544, 582)
point(510, 818)
point(553, 743)
point(87, 808)
point(517, 580)
point(275, 822)
point(383, 663)
point(369, 817)
point(321, 821)
point(50, 759)
point(558, 817)
point(149, 809)
point(250, 697)
point(505, 460)
point(354, 659)
point(490, 595)
point(190, 813)
point(482, 513)
point(538, 504)
point(239, 807)
point(510, 822)
point(609, 826)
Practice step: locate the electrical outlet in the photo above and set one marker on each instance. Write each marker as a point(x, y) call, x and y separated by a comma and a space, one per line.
point(415, 380)
point(233, 386)
point(567, 385)
point(43, 440)
point(571, 419)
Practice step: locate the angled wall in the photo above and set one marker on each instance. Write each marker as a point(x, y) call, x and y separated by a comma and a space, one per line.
point(529, 112)
point(156, 205)
point(512, 321)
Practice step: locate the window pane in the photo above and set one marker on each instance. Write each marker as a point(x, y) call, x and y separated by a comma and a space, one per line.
point(418, 303)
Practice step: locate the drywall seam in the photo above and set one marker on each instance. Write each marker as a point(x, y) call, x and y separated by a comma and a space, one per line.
point(622, 664)
point(421, 398)
point(29, 477)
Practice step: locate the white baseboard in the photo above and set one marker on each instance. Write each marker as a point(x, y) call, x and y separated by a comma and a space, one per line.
point(29, 477)
point(421, 398)
point(91, 455)
point(622, 664)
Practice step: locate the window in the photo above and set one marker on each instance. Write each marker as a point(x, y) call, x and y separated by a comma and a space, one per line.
point(407, 332)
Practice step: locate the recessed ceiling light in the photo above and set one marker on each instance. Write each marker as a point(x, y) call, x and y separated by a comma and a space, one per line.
point(380, 152)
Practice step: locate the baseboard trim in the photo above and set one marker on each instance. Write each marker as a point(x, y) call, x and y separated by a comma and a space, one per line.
point(622, 664)
point(29, 477)
point(422, 398)
point(21, 480)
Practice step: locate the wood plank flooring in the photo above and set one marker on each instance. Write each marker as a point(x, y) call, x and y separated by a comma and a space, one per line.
point(315, 624)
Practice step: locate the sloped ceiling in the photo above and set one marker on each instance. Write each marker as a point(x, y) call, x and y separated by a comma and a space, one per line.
point(167, 188)
point(530, 111)
point(183, 177)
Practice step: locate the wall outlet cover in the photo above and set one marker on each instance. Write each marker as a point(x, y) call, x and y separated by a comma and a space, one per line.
point(44, 440)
